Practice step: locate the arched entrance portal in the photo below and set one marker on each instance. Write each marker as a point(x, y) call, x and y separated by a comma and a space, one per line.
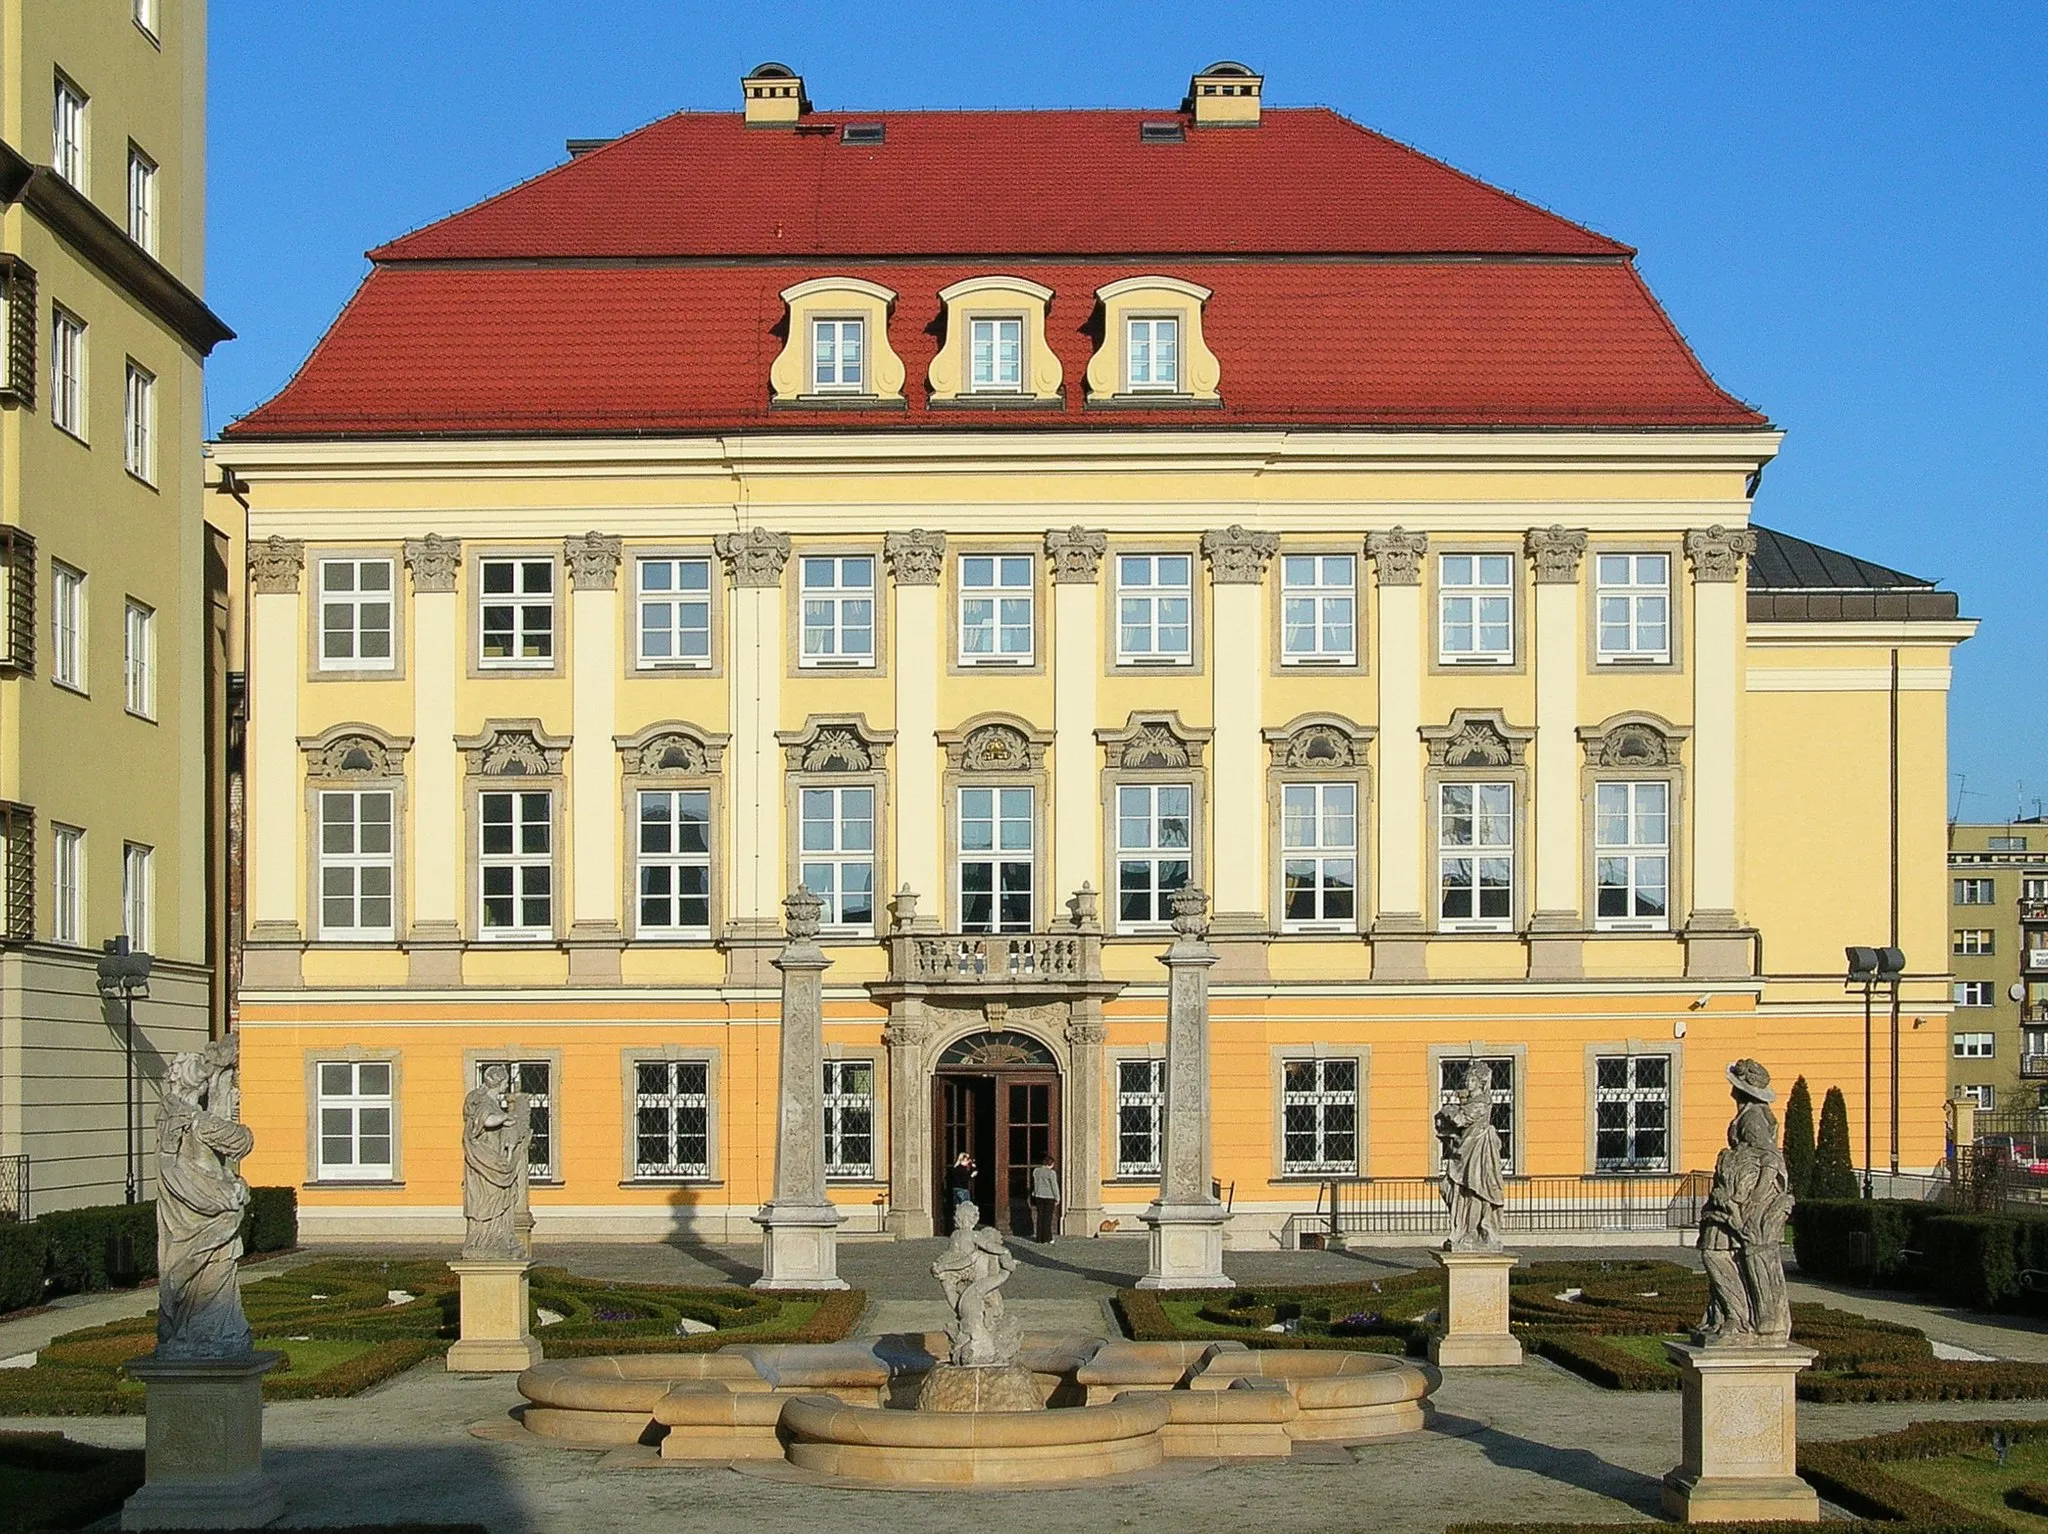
point(996, 1096)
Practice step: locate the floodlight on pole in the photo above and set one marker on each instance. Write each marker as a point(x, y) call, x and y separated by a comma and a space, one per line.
point(124, 975)
point(1870, 968)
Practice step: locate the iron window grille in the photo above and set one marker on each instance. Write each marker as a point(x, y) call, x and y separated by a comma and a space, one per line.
point(18, 571)
point(1319, 1117)
point(534, 1078)
point(1500, 1075)
point(1140, 1116)
point(1632, 1113)
point(672, 1118)
point(850, 1119)
point(18, 833)
point(18, 297)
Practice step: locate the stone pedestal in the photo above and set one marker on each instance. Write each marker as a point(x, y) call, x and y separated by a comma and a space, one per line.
point(799, 1247)
point(1187, 1246)
point(496, 1338)
point(205, 1445)
point(1740, 1452)
point(1475, 1312)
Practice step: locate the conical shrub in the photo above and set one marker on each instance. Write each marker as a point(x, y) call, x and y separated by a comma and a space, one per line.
point(1799, 1144)
point(1834, 1173)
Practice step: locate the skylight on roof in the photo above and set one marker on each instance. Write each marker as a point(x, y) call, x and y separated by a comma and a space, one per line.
point(1161, 133)
point(863, 133)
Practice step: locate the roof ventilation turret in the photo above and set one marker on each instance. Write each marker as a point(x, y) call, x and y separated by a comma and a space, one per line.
point(1225, 95)
point(774, 96)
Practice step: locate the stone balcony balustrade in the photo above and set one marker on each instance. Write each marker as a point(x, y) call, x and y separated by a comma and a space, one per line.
point(1067, 955)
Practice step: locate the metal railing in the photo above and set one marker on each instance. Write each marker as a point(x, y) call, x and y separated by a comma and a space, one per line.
point(13, 1188)
point(1396, 1206)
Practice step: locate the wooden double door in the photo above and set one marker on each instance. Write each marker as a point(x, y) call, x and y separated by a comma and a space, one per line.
point(1006, 1120)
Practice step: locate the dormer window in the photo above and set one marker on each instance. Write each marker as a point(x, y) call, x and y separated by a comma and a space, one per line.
point(996, 355)
point(1152, 355)
point(838, 356)
point(836, 352)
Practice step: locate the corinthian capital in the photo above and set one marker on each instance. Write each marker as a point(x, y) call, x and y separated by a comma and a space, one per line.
point(1076, 553)
point(1237, 556)
point(275, 563)
point(1398, 555)
point(593, 561)
point(754, 557)
point(916, 557)
point(1717, 552)
point(1554, 553)
point(433, 561)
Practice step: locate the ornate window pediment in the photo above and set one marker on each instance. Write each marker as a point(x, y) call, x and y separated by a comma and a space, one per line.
point(1477, 738)
point(355, 751)
point(1318, 742)
point(1632, 740)
point(672, 749)
point(514, 748)
point(834, 743)
point(995, 743)
point(1158, 741)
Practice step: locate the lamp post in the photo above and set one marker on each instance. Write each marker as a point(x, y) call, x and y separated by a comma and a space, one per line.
point(124, 973)
point(1870, 968)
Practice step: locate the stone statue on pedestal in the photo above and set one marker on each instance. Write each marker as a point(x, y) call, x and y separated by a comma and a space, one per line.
point(972, 1271)
point(497, 1124)
point(200, 1200)
point(1742, 1225)
point(1472, 1186)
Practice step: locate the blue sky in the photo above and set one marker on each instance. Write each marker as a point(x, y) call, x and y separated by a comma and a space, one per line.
point(1841, 205)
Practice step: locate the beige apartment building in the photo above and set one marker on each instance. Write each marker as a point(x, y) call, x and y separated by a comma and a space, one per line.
point(112, 654)
point(1998, 897)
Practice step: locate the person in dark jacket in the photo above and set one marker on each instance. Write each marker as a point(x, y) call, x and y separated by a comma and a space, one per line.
point(959, 1183)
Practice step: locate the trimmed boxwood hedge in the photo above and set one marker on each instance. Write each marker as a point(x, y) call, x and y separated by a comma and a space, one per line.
point(49, 1482)
point(1852, 1474)
point(1964, 1259)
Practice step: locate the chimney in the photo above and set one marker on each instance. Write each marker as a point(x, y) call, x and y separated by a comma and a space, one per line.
point(774, 96)
point(1225, 95)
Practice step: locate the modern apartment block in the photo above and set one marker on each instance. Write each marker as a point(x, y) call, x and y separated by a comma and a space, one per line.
point(112, 653)
point(1998, 945)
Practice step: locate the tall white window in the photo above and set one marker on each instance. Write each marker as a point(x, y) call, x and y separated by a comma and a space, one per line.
point(995, 351)
point(142, 199)
point(534, 1080)
point(1152, 355)
point(355, 614)
point(675, 612)
point(1976, 993)
point(1499, 1075)
point(1476, 856)
point(1977, 892)
point(995, 859)
point(1632, 1113)
point(1319, 866)
point(1140, 1116)
point(1974, 940)
point(67, 373)
point(516, 870)
point(356, 865)
point(671, 1118)
point(839, 610)
point(1634, 598)
point(1476, 606)
point(516, 612)
point(1974, 1046)
point(354, 1111)
point(1154, 842)
point(67, 626)
point(138, 420)
point(2031, 888)
point(1631, 854)
point(850, 1118)
point(995, 609)
point(1319, 608)
point(67, 134)
point(138, 659)
point(838, 356)
point(68, 856)
point(1318, 1116)
point(138, 896)
point(837, 860)
point(1155, 603)
point(674, 842)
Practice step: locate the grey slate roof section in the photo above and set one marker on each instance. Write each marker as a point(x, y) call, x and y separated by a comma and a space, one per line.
point(1794, 581)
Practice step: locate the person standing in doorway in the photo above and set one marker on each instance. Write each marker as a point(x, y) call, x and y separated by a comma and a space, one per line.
point(1045, 1199)
point(959, 1185)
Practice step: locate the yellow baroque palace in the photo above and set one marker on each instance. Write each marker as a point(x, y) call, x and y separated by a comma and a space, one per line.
point(995, 522)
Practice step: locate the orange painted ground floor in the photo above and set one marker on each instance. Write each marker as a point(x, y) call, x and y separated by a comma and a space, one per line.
point(655, 1115)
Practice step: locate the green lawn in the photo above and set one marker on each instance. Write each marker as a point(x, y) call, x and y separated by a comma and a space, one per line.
point(1649, 1349)
point(1978, 1482)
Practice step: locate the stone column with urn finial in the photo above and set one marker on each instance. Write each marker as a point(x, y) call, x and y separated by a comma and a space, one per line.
point(1186, 1220)
point(800, 1249)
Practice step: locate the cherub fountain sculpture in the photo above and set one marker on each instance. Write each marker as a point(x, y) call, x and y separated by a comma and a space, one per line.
point(982, 1373)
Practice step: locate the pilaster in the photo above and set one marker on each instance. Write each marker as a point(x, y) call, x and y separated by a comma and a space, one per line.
point(1237, 569)
point(1555, 951)
point(434, 915)
point(276, 665)
point(753, 562)
point(916, 560)
point(1715, 945)
point(595, 934)
point(1074, 557)
point(1398, 929)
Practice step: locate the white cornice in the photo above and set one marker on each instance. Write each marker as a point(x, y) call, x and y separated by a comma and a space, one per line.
point(1887, 631)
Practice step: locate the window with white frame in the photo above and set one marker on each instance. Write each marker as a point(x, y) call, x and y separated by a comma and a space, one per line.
point(1974, 1046)
point(850, 1119)
point(674, 849)
point(516, 863)
point(838, 356)
point(1499, 1075)
point(138, 658)
point(533, 1080)
point(1634, 602)
point(1976, 892)
point(354, 1114)
point(1155, 604)
point(1152, 355)
point(516, 612)
point(138, 894)
point(67, 373)
point(1318, 1116)
point(1476, 856)
point(1476, 609)
point(1631, 855)
point(1632, 1113)
point(68, 865)
point(836, 835)
point(1140, 1116)
point(995, 351)
point(671, 1118)
point(67, 626)
point(2033, 887)
point(1974, 940)
point(1983, 1094)
point(838, 609)
point(356, 615)
point(1319, 855)
point(674, 597)
point(996, 836)
point(1976, 993)
point(138, 420)
point(357, 864)
point(1154, 849)
point(67, 133)
point(142, 199)
point(1318, 610)
point(995, 610)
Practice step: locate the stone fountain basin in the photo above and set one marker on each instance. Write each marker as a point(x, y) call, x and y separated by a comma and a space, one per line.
point(911, 1448)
